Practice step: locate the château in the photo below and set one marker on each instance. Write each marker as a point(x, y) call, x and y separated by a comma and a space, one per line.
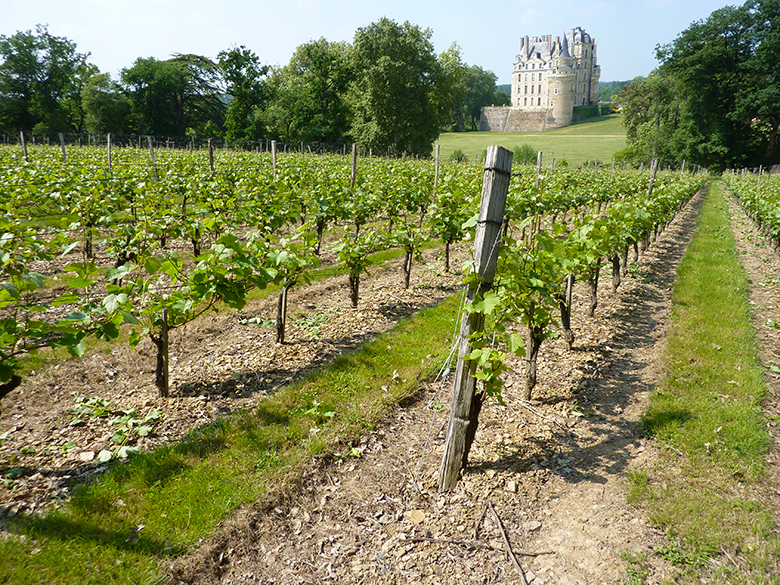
point(551, 77)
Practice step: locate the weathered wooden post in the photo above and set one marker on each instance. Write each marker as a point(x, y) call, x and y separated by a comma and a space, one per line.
point(211, 154)
point(24, 146)
point(273, 157)
point(354, 166)
point(465, 409)
point(109, 147)
point(150, 140)
point(436, 172)
point(62, 145)
point(653, 170)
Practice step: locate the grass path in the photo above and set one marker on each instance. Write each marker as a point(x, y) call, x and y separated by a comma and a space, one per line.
point(707, 416)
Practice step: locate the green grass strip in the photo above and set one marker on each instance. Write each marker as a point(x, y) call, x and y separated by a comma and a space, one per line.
point(707, 410)
point(180, 493)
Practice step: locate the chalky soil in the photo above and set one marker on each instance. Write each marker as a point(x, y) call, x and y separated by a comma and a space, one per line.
point(545, 477)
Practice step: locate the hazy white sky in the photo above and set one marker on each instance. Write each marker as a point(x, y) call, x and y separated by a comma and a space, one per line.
point(116, 32)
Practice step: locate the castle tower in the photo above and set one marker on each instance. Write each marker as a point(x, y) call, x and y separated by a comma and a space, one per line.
point(561, 81)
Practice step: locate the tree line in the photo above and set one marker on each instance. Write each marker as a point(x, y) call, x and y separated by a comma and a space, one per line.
point(387, 89)
point(715, 98)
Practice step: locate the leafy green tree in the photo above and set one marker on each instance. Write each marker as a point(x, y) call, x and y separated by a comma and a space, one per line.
point(41, 77)
point(452, 88)
point(762, 102)
point(708, 61)
point(174, 96)
point(480, 92)
point(393, 96)
point(308, 95)
point(715, 99)
point(246, 82)
point(501, 98)
point(653, 110)
point(106, 107)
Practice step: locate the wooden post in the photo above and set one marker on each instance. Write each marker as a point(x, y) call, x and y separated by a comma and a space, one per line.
point(165, 379)
point(24, 146)
point(273, 157)
point(108, 140)
point(539, 157)
point(151, 153)
point(354, 166)
point(436, 172)
point(211, 154)
point(62, 145)
point(653, 170)
point(463, 418)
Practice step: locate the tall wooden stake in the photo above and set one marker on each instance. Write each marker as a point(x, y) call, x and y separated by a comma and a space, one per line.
point(108, 139)
point(354, 166)
point(463, 419)
point(211, 154)
point(273, 157)
point(62, 145)
point(151, 154)
point(24, 146)
point(653, 170)
point(436, 172)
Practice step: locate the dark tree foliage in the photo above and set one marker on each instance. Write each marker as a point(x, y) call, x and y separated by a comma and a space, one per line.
point(41, 78)
point(245, 78)
point(308, 94)
point(106, 107)
point(175, 96)
point(480, 92)
point(393, 96)
point(715, 99)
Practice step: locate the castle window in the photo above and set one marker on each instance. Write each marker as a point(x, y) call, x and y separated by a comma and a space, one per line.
point(540, 102)
point(540, 89)
point(526, 89)
point(533, 76)
point(552, 103)
point(556, 91)
point(525, 101)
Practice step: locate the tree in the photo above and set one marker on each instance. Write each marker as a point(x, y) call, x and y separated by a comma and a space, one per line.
point(310, 91)
point(653, 116)
point(246, 85)
point(41, 77)
point(393, 95)
point(715, 99)
point(480, 92)
point(763, 102)
point(452, 88)
point(106, 108)
point(174, 96)
point(708, 61)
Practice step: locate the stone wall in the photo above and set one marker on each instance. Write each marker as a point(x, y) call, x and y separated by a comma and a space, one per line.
point(508, 119)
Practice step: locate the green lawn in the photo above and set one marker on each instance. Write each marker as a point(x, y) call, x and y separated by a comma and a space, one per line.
point(593, 139)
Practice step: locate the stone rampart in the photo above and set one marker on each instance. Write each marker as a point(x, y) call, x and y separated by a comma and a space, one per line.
point(508, 119)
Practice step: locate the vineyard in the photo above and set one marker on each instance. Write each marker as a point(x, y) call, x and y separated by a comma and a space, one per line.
point(140, 249)
point(111, 236)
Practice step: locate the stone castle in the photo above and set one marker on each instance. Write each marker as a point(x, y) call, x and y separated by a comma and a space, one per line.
point(551, 77)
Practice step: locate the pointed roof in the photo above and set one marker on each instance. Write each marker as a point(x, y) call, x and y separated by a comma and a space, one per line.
point(565, 48)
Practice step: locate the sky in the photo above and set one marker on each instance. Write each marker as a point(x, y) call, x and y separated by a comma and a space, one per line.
point(488, 32)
